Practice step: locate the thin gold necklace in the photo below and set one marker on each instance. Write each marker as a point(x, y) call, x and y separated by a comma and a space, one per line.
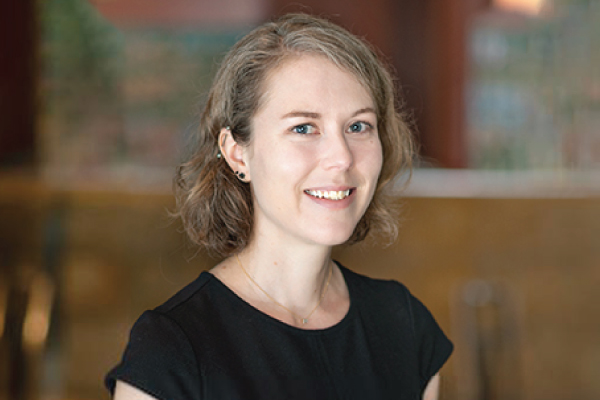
point(303, 319)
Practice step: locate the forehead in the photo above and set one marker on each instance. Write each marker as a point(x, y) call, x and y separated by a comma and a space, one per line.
point(313, 81)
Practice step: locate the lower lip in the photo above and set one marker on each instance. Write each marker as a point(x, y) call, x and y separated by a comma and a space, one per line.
point(334, 204)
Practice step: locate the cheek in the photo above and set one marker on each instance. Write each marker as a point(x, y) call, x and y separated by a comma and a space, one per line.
point(371, 159)
point(280, 161)
point(294, 159)
point(378, 159)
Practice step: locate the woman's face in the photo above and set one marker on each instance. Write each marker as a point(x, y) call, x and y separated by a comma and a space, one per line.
point(315, 154)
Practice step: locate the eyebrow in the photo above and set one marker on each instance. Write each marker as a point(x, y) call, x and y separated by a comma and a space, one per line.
point(364, 111)
point(306, 114)
point(315, 115)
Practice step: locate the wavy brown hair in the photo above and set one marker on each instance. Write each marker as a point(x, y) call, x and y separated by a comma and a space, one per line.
point(217, 208)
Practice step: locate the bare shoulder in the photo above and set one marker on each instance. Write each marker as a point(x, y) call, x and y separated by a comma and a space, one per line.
point(124, 391)
point(227, 271)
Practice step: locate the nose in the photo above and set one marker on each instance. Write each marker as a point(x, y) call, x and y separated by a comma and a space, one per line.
point(337, 154)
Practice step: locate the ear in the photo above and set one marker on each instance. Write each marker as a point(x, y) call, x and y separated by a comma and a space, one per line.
point(233, 154)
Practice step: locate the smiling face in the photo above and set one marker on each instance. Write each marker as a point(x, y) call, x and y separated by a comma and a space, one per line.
point(315, 154)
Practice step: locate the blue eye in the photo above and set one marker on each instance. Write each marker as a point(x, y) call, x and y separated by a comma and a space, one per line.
point(359, 127)
point(304, 129)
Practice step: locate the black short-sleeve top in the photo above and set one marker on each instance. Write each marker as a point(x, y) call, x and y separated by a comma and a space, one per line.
point(206, 343)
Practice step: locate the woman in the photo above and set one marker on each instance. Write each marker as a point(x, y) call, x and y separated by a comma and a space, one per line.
point(297, 142)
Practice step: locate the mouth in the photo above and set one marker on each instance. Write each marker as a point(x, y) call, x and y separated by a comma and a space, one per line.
point(330, 194)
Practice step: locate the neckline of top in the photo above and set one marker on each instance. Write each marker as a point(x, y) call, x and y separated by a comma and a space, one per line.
point(338, 325)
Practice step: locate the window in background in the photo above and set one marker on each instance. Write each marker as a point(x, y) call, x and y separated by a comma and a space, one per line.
point(117, 102)
point(533, 98)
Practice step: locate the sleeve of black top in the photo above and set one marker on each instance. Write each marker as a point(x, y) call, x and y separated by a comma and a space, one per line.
point(158, 360)
point(434, 347)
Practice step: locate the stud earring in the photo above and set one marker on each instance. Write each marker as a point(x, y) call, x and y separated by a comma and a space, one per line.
point(240, 175)
point(219, 155)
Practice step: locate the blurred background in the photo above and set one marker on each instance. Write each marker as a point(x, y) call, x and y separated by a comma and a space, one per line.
point(500, 234)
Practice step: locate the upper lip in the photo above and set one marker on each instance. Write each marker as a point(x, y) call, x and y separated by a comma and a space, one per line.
point(331, 188)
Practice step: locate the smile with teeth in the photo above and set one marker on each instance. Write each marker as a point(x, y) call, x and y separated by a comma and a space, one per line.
point(329, 194)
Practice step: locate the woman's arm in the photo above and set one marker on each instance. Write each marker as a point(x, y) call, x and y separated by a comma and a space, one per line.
point(432, 389)
point(124, 391)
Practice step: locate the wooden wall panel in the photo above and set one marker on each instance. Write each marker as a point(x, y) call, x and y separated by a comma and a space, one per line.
point(543, 256)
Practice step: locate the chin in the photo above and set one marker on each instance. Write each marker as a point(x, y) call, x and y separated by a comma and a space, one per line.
point(333, 238)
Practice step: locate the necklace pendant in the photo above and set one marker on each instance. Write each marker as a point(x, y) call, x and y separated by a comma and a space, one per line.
point(304, 321)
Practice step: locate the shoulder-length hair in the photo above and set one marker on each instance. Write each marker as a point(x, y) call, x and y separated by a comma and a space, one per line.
point(217, 208)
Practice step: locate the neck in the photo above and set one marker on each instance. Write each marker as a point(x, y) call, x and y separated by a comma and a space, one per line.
point(294, 277)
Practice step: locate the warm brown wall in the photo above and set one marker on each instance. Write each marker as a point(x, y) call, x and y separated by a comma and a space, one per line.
point(545, 253)
point(122, 256)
